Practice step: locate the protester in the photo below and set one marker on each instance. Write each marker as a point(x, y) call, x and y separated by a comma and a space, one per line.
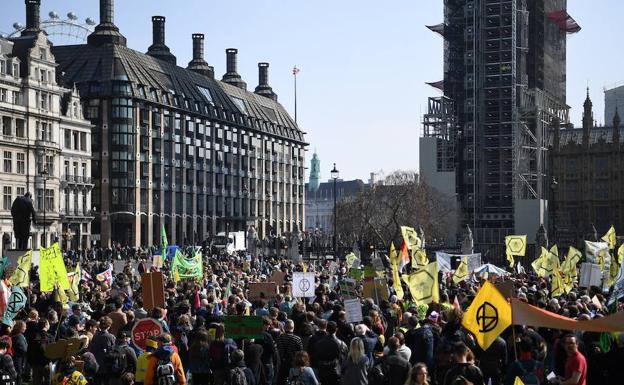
point(575, 366)
point(355, 366)
point(164, 365)
point(67, 374)
point(301, 372)
point(418, 375)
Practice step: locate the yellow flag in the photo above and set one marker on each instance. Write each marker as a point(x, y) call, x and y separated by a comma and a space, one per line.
point(518, 381)
point(461, 273)
point(60, 296)
point(21, 275)
point(396, 281)
point(557, 285)
point(75, 284)
point(547, 262)
point(350, 259)
point(305, 267)
point(52, 269)
point(610, 237)
point(554, 250)
point(411, 238)
point(569, 264)
point(488, 315)
point(423, 284)
point(515, 245)
point(393, 255)
point(614, 269)
point(419, 258)
point(620, 254)
point(176, 276)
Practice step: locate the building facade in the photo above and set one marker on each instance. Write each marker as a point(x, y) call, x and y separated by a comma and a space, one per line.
point(320, 202)
point(587, 179)
point(175, 147)
point(35, 111)
point(504, 81)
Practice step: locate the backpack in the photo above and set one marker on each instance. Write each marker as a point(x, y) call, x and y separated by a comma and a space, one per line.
point(295, 380)
point(115, 361)
point(376, 375)
point(165, 373)
point(5, 376)
point(237, 377)
point(529, 377)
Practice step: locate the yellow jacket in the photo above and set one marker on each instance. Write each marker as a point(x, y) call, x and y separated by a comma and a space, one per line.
point(141, 367)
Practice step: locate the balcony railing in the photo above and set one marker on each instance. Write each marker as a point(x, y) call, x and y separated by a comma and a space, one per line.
point(79, 179)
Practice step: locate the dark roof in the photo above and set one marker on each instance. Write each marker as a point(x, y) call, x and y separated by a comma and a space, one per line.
point(596, 135)
point(343, 188)
point(80, 64)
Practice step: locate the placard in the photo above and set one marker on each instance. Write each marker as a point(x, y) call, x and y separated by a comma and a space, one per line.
point(590, 275)
point(243, 327)
point(262, 290)
point(278, 277)
point(375, 288)
point(353, 310)
point(153, 290)
point(303, 285)
point(348, 288)
point(157, 261)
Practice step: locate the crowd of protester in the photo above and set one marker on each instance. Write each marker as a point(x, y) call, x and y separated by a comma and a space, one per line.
point(304, 341)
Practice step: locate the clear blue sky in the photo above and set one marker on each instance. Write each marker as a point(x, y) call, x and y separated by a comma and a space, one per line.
point(363, 62)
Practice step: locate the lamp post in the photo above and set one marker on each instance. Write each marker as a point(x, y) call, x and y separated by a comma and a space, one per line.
point(553, 188)
point(334, 176)
point(44, 175)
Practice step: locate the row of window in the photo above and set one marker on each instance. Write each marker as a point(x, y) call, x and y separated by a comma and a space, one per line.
point(13, 97)
point(20, 162)
point(9, 67)
point(75, 140)
point(8, 197)
point(13, 127)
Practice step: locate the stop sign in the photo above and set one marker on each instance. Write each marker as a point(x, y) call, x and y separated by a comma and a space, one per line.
point(143, 329)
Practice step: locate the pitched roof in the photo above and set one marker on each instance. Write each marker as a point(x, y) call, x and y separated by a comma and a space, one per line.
point(596, 135)
point(82, 64)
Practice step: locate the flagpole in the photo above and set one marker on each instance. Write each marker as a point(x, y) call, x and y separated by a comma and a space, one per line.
point(295, 72)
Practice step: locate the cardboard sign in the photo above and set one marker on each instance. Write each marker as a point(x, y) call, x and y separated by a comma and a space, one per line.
point(303, 285)
point(278, 277)
point(375, 288)
point(243, 327)
point(353, 310)
point(262, 290)
point(591, 275)
point(153, 290)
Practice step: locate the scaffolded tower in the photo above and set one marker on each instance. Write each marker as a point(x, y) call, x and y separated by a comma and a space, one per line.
point(504, 81)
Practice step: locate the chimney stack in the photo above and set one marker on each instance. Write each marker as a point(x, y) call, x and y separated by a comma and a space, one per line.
point(158, 49)
point(264, 88)
point(32, 17)
point(106, 32)
point(231, 76)
point(198, 64)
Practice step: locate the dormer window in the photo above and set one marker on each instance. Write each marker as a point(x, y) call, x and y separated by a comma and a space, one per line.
point(16, 70)
point(2, 66)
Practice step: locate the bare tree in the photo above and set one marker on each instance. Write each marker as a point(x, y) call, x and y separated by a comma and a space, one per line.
point(377, 213)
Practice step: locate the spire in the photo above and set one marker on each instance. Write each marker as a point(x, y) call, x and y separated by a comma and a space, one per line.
point(315, 173)
point(588, 119)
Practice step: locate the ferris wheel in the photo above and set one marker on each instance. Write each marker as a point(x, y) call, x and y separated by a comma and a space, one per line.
point(61, 31)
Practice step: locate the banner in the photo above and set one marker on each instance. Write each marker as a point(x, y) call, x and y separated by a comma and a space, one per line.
point(243, 327)
point(353, 310)
point(348, 288)
point(262, 290)
point(21, 275)
point(590, 275)
point(488, 315)
point(351, 258)
point(52, 269)
point(106, 276)
point(598, 252)
point(515, 245)
point(410, 236)
point(547, 262)
point(375, 288)
point(445, 261)
point(187, 268)
point(303, 285)
point(525, 314)
point(610, 237)
point(618, 288)
point(423, 284)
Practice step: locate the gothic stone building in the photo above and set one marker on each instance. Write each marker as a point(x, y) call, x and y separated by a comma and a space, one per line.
point(588, 179)
point(175, 147)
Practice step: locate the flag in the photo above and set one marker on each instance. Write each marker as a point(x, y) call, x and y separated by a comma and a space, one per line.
point(546, 262)
point(85, 276)
point(60, 295)
point(393, 255)
point(610, 238)
point(295, 70)
point(404, 258)
point(569, 264)
point(598, 253)
point(351, 258)
point(163, 241)
point(17, 301)
point(186, 268)
point(396, 281)
point(74, 283)
point(52, 269)
point(518, 381)
point(419, 258)
point(557, 287)
point(410, 236)
point(21, 275)
point(515, 245)
point(106, 276)
point(618, 288)
point(620, 254)
point(488, 315)
point(423, 284)
point(461, 273)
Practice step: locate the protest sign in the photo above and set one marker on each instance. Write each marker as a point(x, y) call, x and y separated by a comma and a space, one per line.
point(303, 285)
point(157, 261)
point(353, 310)
point(278, 277)
point(348, 288)
point(243, 327)
point(262, 290)
point(153, 289)
point(445, 261)
point(591, 275)
point(375, 288)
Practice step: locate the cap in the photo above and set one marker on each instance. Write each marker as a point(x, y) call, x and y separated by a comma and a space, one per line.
point(150, 343)
point(360, 329)
point(433, 316)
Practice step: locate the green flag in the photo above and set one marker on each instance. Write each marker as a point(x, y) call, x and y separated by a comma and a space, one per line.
point(163, 241)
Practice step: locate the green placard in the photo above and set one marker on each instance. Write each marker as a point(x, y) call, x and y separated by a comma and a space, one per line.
point(243, 327)
point(369, 271)
point(356, 274)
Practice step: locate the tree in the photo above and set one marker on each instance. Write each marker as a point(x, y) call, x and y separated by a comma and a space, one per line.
point(377, 213)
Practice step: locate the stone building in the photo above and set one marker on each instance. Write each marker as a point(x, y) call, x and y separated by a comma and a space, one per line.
point(587, 179)
point(174, 146)
point(34, 112)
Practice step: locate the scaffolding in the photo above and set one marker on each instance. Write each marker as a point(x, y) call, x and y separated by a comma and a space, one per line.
point(439, 122)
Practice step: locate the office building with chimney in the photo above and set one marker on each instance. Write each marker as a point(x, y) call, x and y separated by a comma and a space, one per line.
point(44, 142)
point(486, 139)
point(175, 147)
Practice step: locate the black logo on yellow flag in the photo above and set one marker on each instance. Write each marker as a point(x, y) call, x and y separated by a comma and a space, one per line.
point(487, 317)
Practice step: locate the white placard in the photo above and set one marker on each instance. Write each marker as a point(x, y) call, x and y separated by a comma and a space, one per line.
point(303, 285)
point(378, 264)
point(590, 275)
point(353, 310)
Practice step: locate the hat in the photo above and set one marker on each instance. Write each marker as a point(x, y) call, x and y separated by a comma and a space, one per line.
point(433, 317)
point(360, 329)
point(150, 343)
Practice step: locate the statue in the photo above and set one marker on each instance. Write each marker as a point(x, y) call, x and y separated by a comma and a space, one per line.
point(22, 212)
point(252, 239)
point(467, 246)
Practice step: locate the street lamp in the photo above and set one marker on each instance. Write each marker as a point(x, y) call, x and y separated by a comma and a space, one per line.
point(334, 176)
point(553, 188)
point(44, 175)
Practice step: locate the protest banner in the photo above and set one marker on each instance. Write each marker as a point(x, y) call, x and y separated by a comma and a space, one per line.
point(445, 261)
point(262, 290)
point(243, 327)
point(303, 285)
point(153, 289)
point(353, 310)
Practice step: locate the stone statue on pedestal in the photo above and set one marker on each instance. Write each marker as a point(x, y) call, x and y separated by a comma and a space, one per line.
point(252, 240)
point(467, 246)
point(23, 212)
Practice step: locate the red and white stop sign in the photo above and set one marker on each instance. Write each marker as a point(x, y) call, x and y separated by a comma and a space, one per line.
point(143, 329)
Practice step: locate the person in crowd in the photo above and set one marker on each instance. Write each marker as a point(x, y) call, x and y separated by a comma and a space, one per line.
point(67, 374)
point(525, 367)
point(576, 364)
point(6, 363)
point(102, 345)
point(287, 345)
point(20, 349)
point(395, 367)
point(118, 317)
point(301, 372)
point(199, 359)
point(418, 375)
point(164, 365)
point(36, 353)
point(462, 367)
point(355, 366)
point(239, 373)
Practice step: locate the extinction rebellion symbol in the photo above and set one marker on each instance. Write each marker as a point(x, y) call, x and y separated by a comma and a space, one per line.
point(304, 285)
point(487, 317)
